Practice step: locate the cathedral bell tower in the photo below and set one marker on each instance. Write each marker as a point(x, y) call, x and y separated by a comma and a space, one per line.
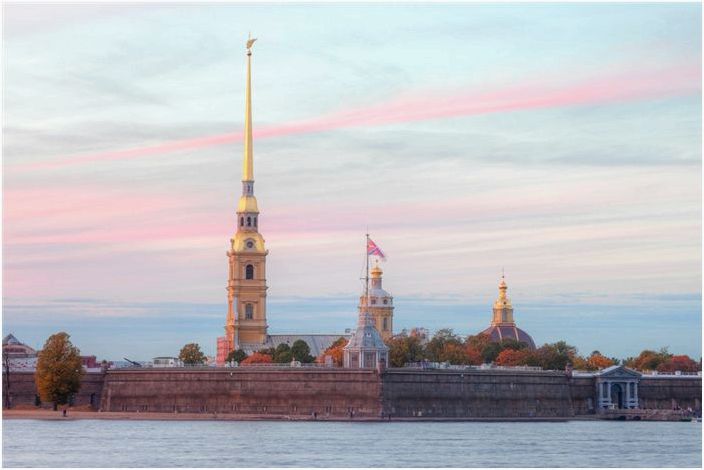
point(246, 285)
point(381, 305)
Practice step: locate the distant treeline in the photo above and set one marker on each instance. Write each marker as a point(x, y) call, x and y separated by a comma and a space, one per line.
point(445, 346)
point(417, 346)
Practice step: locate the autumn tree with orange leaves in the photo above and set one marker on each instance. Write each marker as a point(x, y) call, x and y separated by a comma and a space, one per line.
point(258, 358)
point(335, 351)
point(596, 361)
point(682, 363)
point(513, 357)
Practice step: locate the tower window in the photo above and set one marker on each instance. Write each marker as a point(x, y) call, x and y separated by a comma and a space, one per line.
point(386, 301)
point(249, 272)
point(248, 311)
point(386, 324)
point(249, 221)
point(241, 221)
point(255, 221)
point(373, 301)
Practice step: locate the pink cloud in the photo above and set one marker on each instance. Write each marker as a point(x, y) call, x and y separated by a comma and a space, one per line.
point(615, 88)
point(100, 214)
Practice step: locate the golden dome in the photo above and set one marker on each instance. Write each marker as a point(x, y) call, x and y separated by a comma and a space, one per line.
point(376, 271)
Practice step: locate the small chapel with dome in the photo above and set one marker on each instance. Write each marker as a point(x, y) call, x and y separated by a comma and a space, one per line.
point(503, 326)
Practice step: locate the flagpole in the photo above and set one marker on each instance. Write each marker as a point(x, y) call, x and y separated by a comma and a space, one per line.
point(366, 279)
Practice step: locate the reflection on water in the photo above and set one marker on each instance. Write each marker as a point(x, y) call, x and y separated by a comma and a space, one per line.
point(101, 443)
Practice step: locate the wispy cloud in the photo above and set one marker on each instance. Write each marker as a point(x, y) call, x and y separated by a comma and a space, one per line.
point(626, 86)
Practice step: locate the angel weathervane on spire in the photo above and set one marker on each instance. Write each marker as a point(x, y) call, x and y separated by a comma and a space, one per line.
point(250, 43)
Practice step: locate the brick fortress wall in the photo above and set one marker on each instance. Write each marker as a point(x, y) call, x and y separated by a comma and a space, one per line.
point(476, 393)
point(245, 390)
point(334, 392)
point(23, 390)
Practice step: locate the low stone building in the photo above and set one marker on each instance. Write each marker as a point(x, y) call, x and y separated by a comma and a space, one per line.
point(14, 348)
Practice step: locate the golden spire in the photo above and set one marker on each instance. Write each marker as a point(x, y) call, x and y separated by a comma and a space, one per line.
point(248, 164)
point(503, 310)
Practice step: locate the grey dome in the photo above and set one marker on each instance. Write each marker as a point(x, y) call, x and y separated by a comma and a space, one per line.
point(366, 337)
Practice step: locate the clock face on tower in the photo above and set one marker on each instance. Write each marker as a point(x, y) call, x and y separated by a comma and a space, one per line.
point(250, 244)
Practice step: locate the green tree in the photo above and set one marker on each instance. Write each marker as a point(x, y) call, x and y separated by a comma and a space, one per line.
point(555, 356)
point(301, 351)
point(282, 354)
point(59, 370)
point(404, 349)
point(491, 351)
point(435, 347)
point(236, 356)
point(191, 355)
point(478, 342)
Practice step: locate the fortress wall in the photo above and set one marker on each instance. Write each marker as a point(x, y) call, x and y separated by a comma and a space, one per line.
point(244, 390)
point(668, 392)
point(476, 393)
point(583, 392)
point(23, 390)
point(332, 392)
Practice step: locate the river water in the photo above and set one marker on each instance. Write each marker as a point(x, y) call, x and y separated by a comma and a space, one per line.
point(103, 443)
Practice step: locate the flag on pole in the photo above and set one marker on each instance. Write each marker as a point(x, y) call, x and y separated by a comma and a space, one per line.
point(374, 250)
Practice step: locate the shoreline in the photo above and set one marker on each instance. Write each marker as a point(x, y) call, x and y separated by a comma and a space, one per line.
point(49, 415)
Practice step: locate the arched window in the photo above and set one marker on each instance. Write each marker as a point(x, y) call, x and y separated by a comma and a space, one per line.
point(386, 324)
point(241, 221)
point(255, 221)
point(249, 221)
point(249, 272)
point(248, 311)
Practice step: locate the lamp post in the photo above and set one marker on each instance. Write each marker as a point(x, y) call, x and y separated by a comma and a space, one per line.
point(6, 387)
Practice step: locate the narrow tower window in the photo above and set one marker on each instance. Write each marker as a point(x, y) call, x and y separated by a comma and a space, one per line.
point(248, 311)
point(386, 324)
point(241, 221)
point(249, 272)
point(249, 221)
point(255, 221)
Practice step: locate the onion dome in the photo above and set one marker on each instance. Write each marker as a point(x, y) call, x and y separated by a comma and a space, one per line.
point(377, 295)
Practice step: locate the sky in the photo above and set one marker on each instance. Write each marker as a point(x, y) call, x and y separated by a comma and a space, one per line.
point(559, 142)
